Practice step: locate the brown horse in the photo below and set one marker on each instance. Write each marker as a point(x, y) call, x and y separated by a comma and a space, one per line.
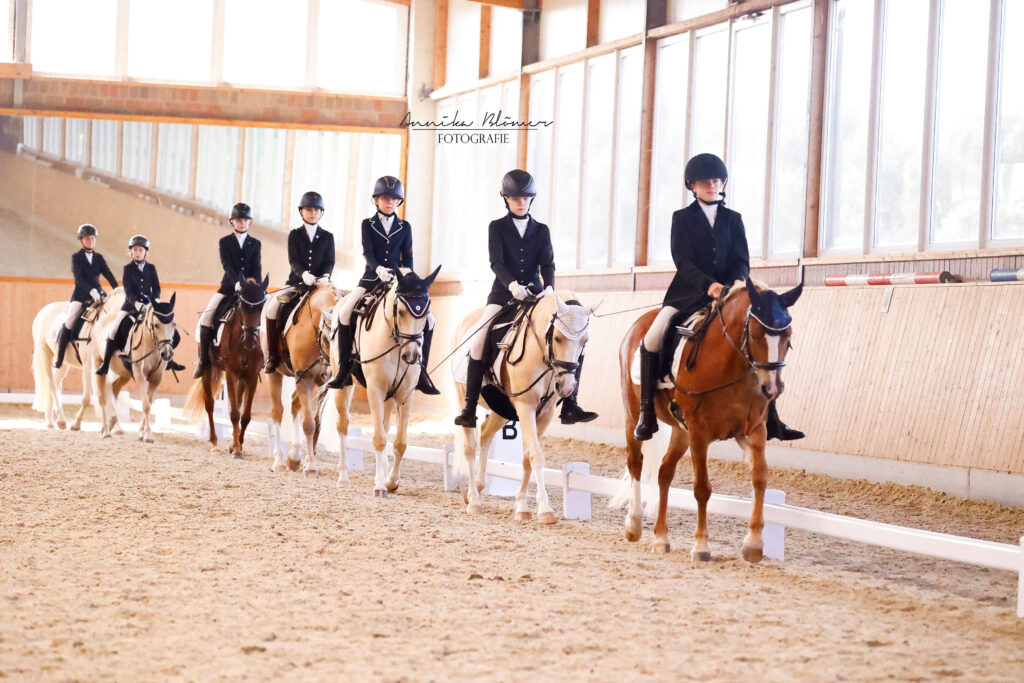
point(238, 361)
point(724, 395)
point(307, 348)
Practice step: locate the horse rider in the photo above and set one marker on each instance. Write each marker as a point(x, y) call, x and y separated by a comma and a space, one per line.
point(387, 245)
point(521, 257)
point(709, 248)
point(87, 265)
point(311, 258)
point(241, 258)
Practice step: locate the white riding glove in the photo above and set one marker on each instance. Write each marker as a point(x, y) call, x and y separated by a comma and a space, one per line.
point(95, 294)
point(384, 273)
point(308, 278)
point(547, 290)
point(519, 291)
point(323, 281)
point(238, 286)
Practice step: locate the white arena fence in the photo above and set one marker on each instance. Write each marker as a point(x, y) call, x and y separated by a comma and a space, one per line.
point(578, 485)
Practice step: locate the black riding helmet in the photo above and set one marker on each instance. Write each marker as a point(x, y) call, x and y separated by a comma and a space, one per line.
point(312, 200)
point(518, 183)
point(87, 230)
point(389, 186)
point(241, 210)
point(138, 241)
point(704, 167)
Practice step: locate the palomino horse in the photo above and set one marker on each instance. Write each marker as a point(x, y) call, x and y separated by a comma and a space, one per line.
point(238, 361)
point(724, 396)
point(306, 360)
point(48, 380)
point(540, 363)
point(390, 352)
point(149, 350)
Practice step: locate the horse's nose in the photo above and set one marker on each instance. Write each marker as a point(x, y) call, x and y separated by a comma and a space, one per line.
point(770, 392)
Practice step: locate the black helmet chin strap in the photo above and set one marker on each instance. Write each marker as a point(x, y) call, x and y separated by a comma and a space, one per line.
point(386, 215)
point(517, 216)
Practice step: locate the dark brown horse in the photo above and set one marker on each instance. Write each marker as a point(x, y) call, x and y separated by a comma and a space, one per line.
point(724, 395)
point(239, 360)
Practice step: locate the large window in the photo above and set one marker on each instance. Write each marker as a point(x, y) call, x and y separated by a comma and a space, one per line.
point(597, 175)
point(104, 145)
point(752, 44)
point(53, 138)
point(217, 168)
point(30, 132)
point(322, 164)
point(564, 188)
point(627, 157)
point(6, 47)
point(74, 37)
point(137, 151)
point(351, 29)
point(540, 139)
point(1008, 220)
point(668, 156)
point(263, 45)
point(174, 157)
point(75, 137)
point(158, 29)
point(710, 81)
point(959, 121)
point(264, 172)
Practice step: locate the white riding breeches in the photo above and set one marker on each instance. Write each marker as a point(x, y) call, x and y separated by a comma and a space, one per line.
point(74, 310)
point(482, 326)
point(656, 333)
point(275, 303)
point(206, 319)
point(349, 305)
point(121, 315)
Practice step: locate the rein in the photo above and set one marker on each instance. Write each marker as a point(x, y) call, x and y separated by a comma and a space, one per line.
point(158, 344)
point(400, 339)
point(555, 368)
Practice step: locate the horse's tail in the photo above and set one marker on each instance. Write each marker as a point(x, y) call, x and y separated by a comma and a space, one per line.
point(42, 358)
point(195, 404)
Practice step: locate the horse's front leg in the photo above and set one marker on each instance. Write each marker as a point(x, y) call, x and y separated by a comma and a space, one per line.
point(401, 443)
point(634, 522)
point(276, 414)
point(701, 491)
point(87, 394)
point(308, 427)
point(234, 399)
point(469, 440)
point(208, 404)
point(343, 403)
point(146, 391)
point(119, 384)
point(532, 428)
point(753, 545)
point(376, 397)
point(248, 393)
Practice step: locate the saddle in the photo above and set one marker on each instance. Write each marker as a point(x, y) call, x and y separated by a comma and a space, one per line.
point(506, 342)
point(363, 314)
point(82, 329)
point(684, 328)
point(291, 304)
point(224, 314)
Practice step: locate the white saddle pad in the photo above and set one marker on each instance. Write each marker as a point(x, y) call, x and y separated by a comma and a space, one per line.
point(665, 382)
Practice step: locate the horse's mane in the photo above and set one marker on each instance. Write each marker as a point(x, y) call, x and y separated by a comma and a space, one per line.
point(741, 286)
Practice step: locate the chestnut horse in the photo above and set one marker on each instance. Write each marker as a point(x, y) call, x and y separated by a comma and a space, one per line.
point(307, 346)
point(548, 350)
point(238, 360)
point(725, 395)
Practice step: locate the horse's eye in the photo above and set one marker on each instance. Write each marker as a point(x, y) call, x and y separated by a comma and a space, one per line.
point(559, 338)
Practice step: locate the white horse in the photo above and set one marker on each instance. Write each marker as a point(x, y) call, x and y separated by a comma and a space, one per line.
point(539, 366)
point(150, 348)
point(49, 380)
point(390, 350)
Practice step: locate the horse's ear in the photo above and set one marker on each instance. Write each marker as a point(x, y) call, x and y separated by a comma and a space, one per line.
point(171, 302)
point(266, 282)
point(789, 298)
point(561, 305)
point(429, 280)
point(755, 296)
point(398, 276)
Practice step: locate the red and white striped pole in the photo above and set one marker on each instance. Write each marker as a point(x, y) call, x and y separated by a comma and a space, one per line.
point(890, 279)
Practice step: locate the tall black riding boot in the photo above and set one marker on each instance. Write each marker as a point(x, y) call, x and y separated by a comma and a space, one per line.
point(344, 375)
point(425, 385)
point(648, 423)
point(108, 353)
point(273, 342)
point(173, 364)
point(63, 337)
point(571, 411)
point(474, 378)
point(205, 339)
point(777, 429)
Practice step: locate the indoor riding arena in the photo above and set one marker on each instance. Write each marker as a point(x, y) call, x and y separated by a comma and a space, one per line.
point(512, 340)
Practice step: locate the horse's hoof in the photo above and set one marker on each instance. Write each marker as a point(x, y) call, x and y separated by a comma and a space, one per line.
point(310, 472)
point(393, 487)
point(107, 435)
point(661, 547)
point(546, 518)
point(752, 555)
point(75, 427)
point(480, 487)
point(149, 439)
point(343, 481)
point(474, 509)
point(293, 465)
point(237, 455)
point(62, 425)
point(700, 555)
point(380, 493)
point(524, 516)
point(118, 430)
point(278, 467)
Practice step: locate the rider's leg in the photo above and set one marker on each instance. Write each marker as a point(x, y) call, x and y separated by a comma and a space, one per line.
point(475, 369)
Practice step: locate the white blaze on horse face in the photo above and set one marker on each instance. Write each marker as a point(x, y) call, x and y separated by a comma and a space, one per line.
point(774, 384)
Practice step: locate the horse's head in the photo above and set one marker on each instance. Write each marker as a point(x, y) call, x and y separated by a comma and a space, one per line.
point(769, 330)
point(566, 335)
point(407, 304)
point(162, 326)
point(251, 297)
